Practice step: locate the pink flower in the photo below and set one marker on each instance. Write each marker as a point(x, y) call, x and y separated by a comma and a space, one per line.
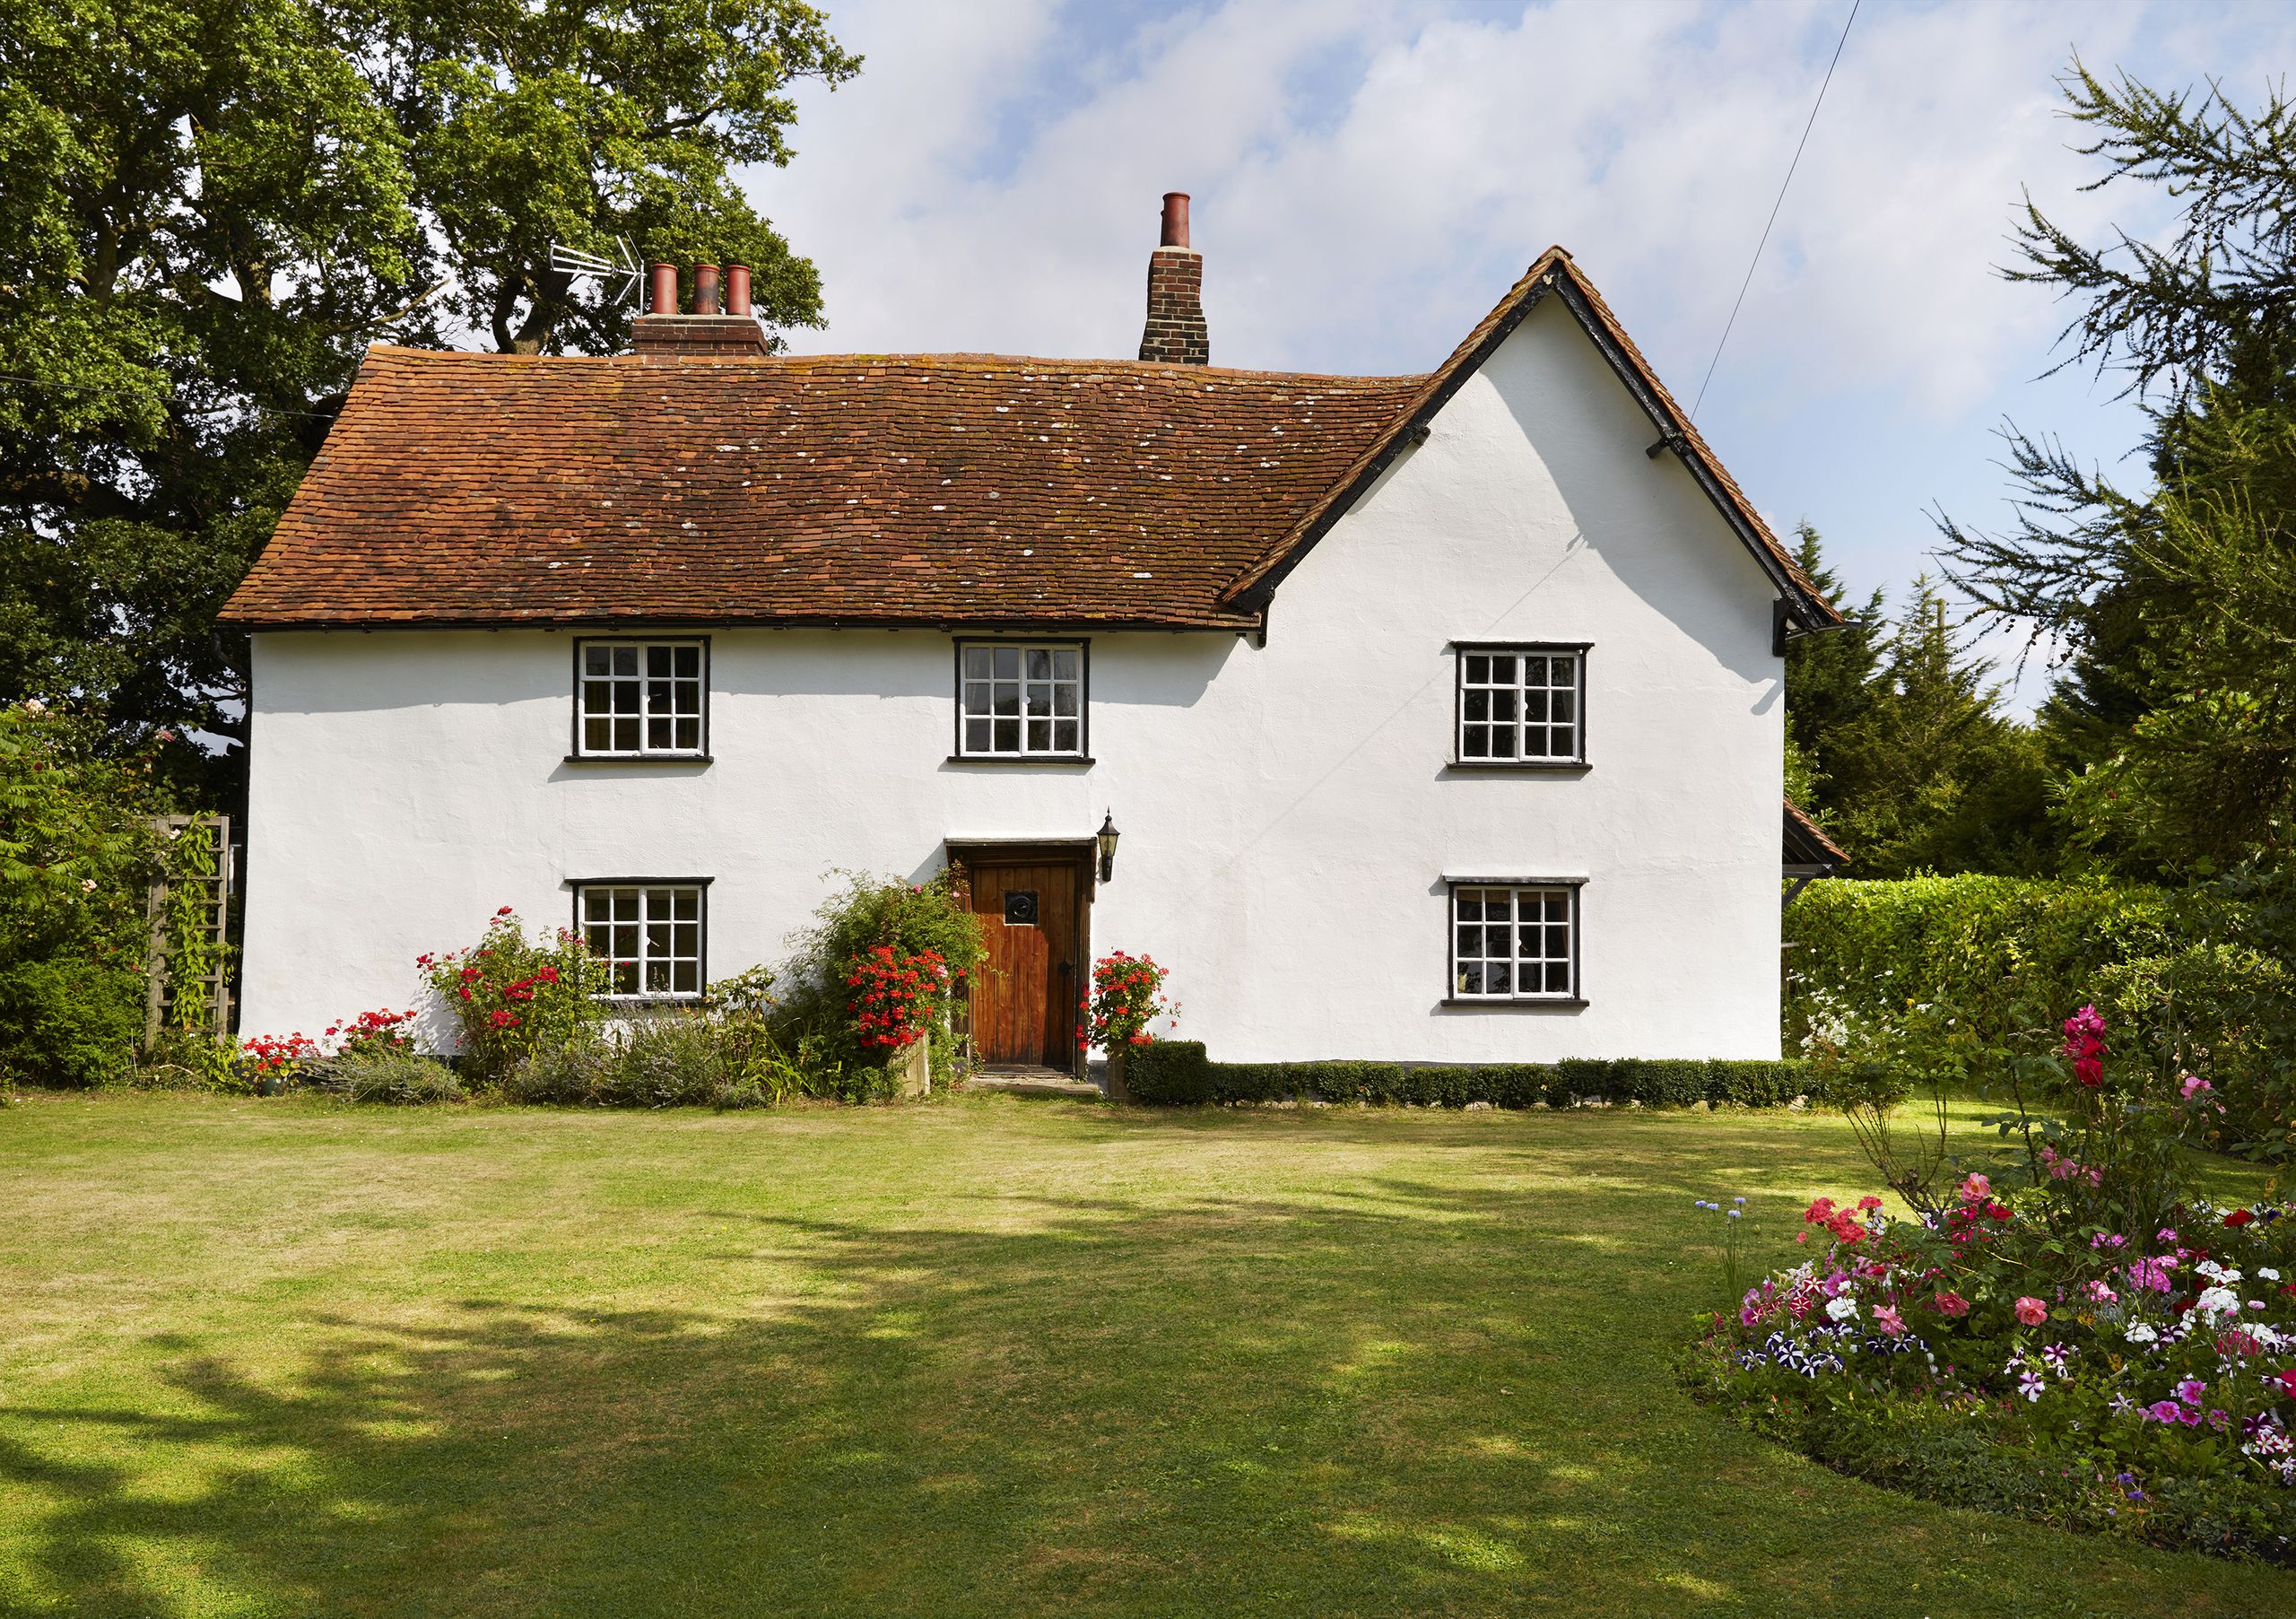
point(2033, 1312)
point(2163, 1411)
point(2194, 1085)
point(2190, 1390)
point(1976, 1188)
point(1950, 1303)
point(2100, 1293)
point(1887, 1319)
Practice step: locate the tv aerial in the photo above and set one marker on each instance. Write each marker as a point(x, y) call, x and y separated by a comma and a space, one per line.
point(577, 265)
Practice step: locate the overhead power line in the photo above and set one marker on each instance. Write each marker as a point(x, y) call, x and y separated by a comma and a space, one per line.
point(1775, 206)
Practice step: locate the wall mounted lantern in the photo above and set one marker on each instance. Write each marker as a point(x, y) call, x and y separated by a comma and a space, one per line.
point(1106, 838)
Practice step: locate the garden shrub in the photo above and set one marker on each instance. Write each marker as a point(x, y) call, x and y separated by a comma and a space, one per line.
point(77, 853)
point(1175, 1072)
point(2197, 977)
point(661, 1059)
point(512, 996)
point(390, 1075)
point(894, 954)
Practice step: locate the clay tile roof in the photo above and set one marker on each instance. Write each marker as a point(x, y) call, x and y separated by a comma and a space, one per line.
point(494, 489)
point(1806, 843)
point(906, 489)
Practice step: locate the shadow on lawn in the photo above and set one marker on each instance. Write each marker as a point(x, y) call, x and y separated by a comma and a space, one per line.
point(1397, 1396)
point(1207, 1408)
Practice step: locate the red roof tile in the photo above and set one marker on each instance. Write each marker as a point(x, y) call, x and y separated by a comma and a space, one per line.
point(494, 489)
point(917, 489)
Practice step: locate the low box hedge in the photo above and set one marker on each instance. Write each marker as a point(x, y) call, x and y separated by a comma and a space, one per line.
point(1179, 1073)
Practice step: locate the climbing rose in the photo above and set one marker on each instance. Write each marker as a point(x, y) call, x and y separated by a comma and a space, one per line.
point(2033, 1312)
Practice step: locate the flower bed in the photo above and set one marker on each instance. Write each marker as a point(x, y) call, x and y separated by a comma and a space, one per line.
point(2086, 1343)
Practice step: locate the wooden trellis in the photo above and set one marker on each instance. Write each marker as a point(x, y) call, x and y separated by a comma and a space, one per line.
point(213, 985)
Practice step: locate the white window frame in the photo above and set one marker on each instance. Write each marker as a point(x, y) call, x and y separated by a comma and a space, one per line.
point(1025, 687)
point(647, 692)
point(653, 931)
point(1471, 955)
point(1520, 699)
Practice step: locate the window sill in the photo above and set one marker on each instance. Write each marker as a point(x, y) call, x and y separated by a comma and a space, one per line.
point(645, 1003)
point(1558, 767)
point(1069, 759)
point(1525, 1003)
point(640, 759)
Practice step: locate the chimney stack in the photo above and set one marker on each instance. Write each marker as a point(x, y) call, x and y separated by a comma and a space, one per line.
point(662, 335)
point(1175, 334)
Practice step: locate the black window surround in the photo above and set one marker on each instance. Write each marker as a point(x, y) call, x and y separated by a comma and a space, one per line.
point(660, 711)
point(672, 957)
point(981, 683)
point(1570, 997)
point(1573, 763)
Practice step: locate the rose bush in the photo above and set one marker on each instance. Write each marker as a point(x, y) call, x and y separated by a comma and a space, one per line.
point(512, 996)
point(1127, 995)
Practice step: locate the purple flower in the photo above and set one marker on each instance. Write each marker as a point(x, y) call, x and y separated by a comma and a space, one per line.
point(2164, 1410)
point(2190, 1390)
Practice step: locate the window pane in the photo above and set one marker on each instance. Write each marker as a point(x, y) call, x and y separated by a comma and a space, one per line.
point(1502, 670)
point(625, 736)
point(686, 979)
point(657, 733)
point(597, 697)
point(1008, 736)
point(1564, 705)
point(1039, 736)
point(687, 906)
point(1502, 706)
point(1040, 700)
point(1478, 707)
point(689, 663)
point(976, 662)
point(976, 697)
point(657, 977)
point(625, 697)
point(1008, 662)
point(689, 736)
point(1470, 905)
point(1064, 663)
point(1470, 978)
point(1558, 943)
point(625, 978)
point(625, 660)
point(1534, 706)
point(1534, 671)
point(1502, 742)
point(1039, 664)
point(1478, 669)
point(1496, 977)
point(976, 736)
point(597, 735)
point(657, 938)
point(1008, 700)
point(1064, 700)
point(686, 940)
point(596, 660)
point(657, 661)
point(1558, 978)
point(1065, 738)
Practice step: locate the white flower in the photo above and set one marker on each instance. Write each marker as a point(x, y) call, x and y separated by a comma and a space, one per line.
point(1843, 1309)
point(2137, 1332)
point(2217, 1302)
point(87, 885)
point(2267, 1273)
point(34, 705)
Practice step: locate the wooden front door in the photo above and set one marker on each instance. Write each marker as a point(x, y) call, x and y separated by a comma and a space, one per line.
point(1024, 998)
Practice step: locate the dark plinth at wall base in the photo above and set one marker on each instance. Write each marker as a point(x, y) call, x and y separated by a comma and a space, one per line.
point(1179, 1072)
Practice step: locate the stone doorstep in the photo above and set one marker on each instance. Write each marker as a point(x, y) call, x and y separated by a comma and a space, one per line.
point(1023, 1080)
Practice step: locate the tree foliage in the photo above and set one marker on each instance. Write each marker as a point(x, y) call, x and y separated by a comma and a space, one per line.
point(2173, 722)
point(1907, 757)
point(211, 209)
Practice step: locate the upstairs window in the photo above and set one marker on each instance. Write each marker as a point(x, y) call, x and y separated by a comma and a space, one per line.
point(1514, 943)
point(640, 699)
point(650, 936)
point(1021, 699)
point(1522, 705)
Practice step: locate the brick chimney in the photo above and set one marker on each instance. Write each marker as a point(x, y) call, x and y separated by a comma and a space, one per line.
point(1175, 334)
point(663, 335)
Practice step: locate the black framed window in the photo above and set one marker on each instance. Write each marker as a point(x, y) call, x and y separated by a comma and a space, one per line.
point(642, 699)
point(1522, 705)
point(1514, 942)
point(652, 934)
point(1021, 699)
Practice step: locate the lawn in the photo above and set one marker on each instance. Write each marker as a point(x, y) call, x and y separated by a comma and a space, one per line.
point(994, 1356)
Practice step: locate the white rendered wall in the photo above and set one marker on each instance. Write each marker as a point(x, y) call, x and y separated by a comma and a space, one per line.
point(1288, 819)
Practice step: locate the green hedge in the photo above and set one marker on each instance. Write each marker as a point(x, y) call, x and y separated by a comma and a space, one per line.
point(1979, 942)
point(1179, 1073)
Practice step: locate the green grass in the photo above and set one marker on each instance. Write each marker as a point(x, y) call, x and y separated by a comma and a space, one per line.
point(989, 1357)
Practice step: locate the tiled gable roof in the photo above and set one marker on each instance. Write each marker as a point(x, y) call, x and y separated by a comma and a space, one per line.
point(493, 489)
point(923, 489)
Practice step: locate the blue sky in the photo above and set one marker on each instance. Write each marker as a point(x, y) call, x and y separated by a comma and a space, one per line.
point(1370, 176)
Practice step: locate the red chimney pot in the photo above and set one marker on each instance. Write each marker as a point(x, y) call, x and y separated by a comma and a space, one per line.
point(1175, 234)
point(662, 297)
point(705, 289)
point(738, 289)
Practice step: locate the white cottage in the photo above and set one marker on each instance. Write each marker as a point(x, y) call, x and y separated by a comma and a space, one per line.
point(1441, 715)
